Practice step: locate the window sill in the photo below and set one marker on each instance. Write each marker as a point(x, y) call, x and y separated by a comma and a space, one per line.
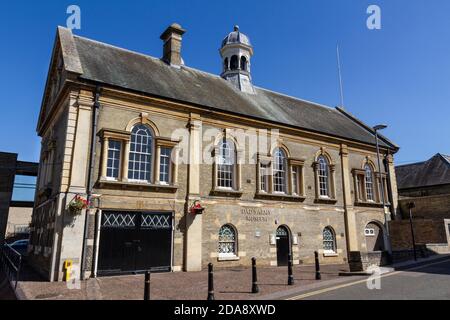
point(226, 193)
point(139, 185)
point(231, 258)
point(330, 254)
point(325, 200)
point(369, 204)
point(279, 196)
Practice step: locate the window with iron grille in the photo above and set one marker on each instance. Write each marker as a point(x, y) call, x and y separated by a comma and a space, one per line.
point(323, 174)
point(369, 183)
point(279, 171)
point(225, 165)
point(165, 165)
point(227, 241)
point(140, 160)
point(113, 165)
point(329, 241)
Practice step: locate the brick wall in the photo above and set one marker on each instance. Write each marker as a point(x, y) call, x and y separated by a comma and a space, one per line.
point(429, 207)
point(425, 232)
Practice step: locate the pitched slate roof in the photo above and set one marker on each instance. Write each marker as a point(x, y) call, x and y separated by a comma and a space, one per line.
point(129, 70)
point(433, 172)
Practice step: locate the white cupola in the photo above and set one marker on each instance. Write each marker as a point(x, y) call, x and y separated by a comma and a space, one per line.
point(236, 52)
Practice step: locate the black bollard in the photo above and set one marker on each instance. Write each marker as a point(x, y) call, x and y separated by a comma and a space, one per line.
point(255, 288)
point(318, 275)
point(210, 282)
point(290, 276)
point(147, 286)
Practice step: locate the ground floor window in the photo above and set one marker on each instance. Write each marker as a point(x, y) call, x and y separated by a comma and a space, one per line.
point(227, 241)
point(329, 240)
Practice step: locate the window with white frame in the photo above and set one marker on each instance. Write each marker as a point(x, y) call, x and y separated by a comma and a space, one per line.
point(141, 150)
point(323, 175)
point(368, 178)
point(279, 171)
point(226, 165)
point(113, 162)
point(329, 240)
point(264, 172)
point(227, 241)
point(296, 180)
point(165, 165)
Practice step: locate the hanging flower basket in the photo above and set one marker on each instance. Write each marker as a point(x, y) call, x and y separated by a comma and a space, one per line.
point(197, 208)
point(77, 205)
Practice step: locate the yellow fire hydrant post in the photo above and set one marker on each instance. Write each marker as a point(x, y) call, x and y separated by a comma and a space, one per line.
point(68, 269)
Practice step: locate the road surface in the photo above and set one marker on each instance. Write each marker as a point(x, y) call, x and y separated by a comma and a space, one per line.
point(430, 281)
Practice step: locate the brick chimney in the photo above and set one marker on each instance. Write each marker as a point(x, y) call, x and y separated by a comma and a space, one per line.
point(172, 45)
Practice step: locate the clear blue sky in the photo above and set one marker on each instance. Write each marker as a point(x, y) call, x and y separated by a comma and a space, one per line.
point(399, 75)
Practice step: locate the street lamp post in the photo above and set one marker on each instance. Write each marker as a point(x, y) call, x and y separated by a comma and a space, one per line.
point(411, 205)
point(383, 200)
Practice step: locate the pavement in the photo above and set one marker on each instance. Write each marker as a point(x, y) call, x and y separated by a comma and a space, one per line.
point(235, 284)
point(426, 279)
point(229, 284)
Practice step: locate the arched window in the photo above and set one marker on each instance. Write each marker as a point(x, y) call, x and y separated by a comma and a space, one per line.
point(244, 63)
point(279, 171)
point(227, 241)
point(226, 162)
point(329, 240)
point(234, 63)
point(141, 150)
point(368, 178)
point(225, 64)
point(323, 174)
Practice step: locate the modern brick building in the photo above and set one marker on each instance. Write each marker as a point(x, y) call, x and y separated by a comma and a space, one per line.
point(184, 167)
point(15, 216)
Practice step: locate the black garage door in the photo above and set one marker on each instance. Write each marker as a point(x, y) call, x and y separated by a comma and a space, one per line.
point(135, 242)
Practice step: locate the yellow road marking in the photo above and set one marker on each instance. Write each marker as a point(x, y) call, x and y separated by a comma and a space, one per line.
point(317, 292)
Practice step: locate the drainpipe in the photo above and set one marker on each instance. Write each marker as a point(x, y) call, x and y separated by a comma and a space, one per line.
point(90, 177)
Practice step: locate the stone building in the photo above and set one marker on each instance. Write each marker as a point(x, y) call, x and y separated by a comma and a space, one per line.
point(427, 185)
point(183, 167)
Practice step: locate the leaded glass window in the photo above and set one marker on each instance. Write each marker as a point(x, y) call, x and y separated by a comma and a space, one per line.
point(323, 174)
point(140, 160)
point(279, 171)
point(369, 183)
point(282, 231)
point(227, 241)
point(225, 165)
point(113, 163)
point(164, 165)
point(329, 241)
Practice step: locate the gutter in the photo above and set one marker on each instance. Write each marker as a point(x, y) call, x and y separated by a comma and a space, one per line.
point(90, 177)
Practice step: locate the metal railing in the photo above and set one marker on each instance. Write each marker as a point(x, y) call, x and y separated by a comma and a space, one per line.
point(11, 263)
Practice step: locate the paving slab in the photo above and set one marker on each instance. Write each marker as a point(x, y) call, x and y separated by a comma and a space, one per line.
point(229, 284)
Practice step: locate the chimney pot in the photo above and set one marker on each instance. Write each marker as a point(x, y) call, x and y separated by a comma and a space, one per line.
point(172, 37)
